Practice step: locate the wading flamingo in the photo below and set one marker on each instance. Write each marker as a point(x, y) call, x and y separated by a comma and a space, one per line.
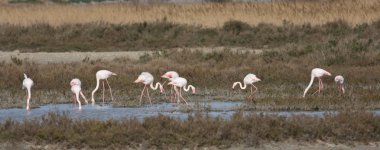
point(317, 73)
point(102, 75)
point(171, 75)
point(76, 89)
point(248, 79)
point(339, 80)
point(147, 79)
point(181, 83)
point(27, 83)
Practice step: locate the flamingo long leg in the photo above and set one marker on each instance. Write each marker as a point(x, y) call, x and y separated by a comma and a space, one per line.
point(142, 92)
point(147, 92)
point(254, 90)
point(77, 97)
point(180, 94)
point(177, 93)
point(74, 101)
point(110, 89)
point(251, 94)
point(319, 87)
point(84, 97)
point(173, 96)
point(27, 103)
point(103, 91)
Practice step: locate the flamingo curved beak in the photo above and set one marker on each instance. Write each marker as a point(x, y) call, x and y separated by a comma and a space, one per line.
point(138, 81)
point(166, 76)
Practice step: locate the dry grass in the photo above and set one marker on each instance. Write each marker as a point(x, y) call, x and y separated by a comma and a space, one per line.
point(208, 15)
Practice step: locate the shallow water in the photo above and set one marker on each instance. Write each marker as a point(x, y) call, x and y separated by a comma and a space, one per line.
point(216, 109)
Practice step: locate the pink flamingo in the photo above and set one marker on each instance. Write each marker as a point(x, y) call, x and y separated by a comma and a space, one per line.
point(76, 89)
point(171, 75)
point(248, 79)
point(339, 80)
point(317, 73)
point(27, 83)
point(147, 79)
point(102, 75)
point(181, 83)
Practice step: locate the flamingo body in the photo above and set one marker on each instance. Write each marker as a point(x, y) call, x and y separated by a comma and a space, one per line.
point(77, 90)
point(171, 75)
point(249, 79)
point(147, 79)
point(27, 83)
point(102, 75)
point(181, 83)
point(339, 80)
point(75, 81)
point(317, 73)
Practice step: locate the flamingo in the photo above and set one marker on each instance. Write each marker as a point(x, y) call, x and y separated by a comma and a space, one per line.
point(147, 79)
point(171, 75)
point(181, 83)
point(317, 73)
point(102, 75)
point(339, 80)
point(27, 83)
point(248, 79)
point(76, 89)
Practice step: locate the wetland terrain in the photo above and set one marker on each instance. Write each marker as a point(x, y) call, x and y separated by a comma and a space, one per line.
point(212, 54)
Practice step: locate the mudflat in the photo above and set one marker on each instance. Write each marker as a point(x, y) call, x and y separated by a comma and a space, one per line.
point(70, 57)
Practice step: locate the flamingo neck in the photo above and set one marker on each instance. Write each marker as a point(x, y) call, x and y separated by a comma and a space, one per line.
point(241, 86)
point(188, 88)
point(308, 87)
point(156, 86)
point(96, 88)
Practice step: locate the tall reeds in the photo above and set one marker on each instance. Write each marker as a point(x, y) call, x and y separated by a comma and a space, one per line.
point(207, 15)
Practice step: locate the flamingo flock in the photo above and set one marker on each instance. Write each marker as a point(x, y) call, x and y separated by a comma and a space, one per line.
point(176, 83)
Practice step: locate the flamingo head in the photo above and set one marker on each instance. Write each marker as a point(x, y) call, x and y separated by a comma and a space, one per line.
point(193, 89)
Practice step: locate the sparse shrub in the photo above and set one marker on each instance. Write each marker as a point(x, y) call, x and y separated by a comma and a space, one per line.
point(16, 60)
point(272, 56)
point(337, 28)
point(235, 27)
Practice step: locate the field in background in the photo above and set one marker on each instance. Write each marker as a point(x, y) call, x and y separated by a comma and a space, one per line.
point(206, 15)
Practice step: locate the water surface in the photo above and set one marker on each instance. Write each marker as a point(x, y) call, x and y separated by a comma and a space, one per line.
point(214, 109)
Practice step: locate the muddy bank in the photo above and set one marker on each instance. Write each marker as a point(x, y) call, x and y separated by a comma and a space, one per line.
point(287, 145)
point(70, 57)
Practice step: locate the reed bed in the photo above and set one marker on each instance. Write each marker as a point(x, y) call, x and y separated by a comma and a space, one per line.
point(196, 132)
point(205, 14)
